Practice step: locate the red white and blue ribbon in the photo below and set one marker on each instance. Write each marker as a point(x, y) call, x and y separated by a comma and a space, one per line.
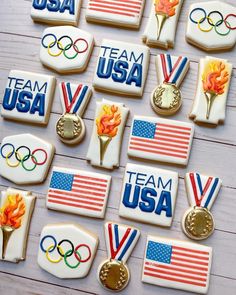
point(202, 190)
point(120, 240)
point(173, 68)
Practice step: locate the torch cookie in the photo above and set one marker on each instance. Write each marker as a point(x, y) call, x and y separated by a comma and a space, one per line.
point(212, 90)
point(162, 23)
point(108, 129)
point(15, 215)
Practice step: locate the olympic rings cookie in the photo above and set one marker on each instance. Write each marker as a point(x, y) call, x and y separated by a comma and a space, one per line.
point(212, 26)
point(64, 12)
point(66, 49)
point(16, 210)
point(25, 158)
point(126, 14)
point(66, 251)
point(28, 97)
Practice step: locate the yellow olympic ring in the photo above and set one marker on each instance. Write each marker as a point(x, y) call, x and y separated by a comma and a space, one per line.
point(54, 260)
point(199, 24)
point(56, 54)
point(10, 164)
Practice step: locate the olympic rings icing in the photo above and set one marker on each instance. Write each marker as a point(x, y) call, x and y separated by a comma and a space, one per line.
point(10, 164)
point(204, 30)
point(226, 18)
point(49, 258)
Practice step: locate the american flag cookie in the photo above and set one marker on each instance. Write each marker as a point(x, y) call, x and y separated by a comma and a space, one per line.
point(121, 13)
point(78, 192)
point(67, 250)
point(160, 140)
point(177, 264)
point(113, 274)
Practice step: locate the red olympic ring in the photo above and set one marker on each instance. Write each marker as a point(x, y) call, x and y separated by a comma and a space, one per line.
point(33, 159)
point(76, 255)
point(76, 47)
point(227, 24)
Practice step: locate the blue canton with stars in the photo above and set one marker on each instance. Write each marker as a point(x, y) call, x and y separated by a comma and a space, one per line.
point(159, 252)
point(144, 129)
point(62, 181)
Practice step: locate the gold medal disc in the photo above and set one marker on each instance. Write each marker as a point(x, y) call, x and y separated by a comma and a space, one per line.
point(113, 275)
point(70, 128)
point(198, 223)
point(166, 99)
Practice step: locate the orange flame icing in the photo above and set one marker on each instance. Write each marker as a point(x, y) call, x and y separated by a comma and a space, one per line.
point(215, 77)
point(12, 212)
point(109, 120)
point(166, 6)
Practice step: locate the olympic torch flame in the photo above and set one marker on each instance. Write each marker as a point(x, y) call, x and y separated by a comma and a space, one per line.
point(214, 79)
point(107, 127)
point(163, 10)
point(10, 218)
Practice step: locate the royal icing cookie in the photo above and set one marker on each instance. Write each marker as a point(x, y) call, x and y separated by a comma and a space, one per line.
point(74, 98)
point(66, 49)
point(149, 194)
point(211, 25)
point(212, 90)
point(108, 129)
point(25, 158)
point(162, 23)
point(160, 140)
point(78, 192)
point(116, 12)
point(28, 97)
point(202, 190)
point(16, 210)
point(166, 98)
point(64, 12)
point(122, 68)
point(67, 251)
point(113, 274)
point(177, 264)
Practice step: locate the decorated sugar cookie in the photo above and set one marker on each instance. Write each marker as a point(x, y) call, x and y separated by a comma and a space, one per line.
point(25, 158)
point(211, 25)
point(79, 192)
point(166, 98)
point(113, 274)
point(177, 264)
point(66, 49)
point(66, 250)
point(162, 23)
point(122, 67)
point(202, 190)
point(115, 12)
point(16, 208)
point(149, 194)
point(160, 140)
point(74, 98)
point(28, 97)
point(65, 12)
point(108, 129)
point(212, 90)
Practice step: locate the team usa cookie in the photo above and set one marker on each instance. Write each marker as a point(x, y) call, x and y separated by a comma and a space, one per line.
point(64, 12)
point(211, 26)
point(177, 264)
point(107, 135)
point(16, 210)
point(25, 158)
point(116, 12)
point(166, 98)
point(66, 250)
point(79, 192)
point(28, 97)
point(122, 68)
point(212, 90)
point(149, 194)
point(202, 190)
point(113, 274)
point(66, 49)
point(74, 98)
point(162, 23)
point(160, 140)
